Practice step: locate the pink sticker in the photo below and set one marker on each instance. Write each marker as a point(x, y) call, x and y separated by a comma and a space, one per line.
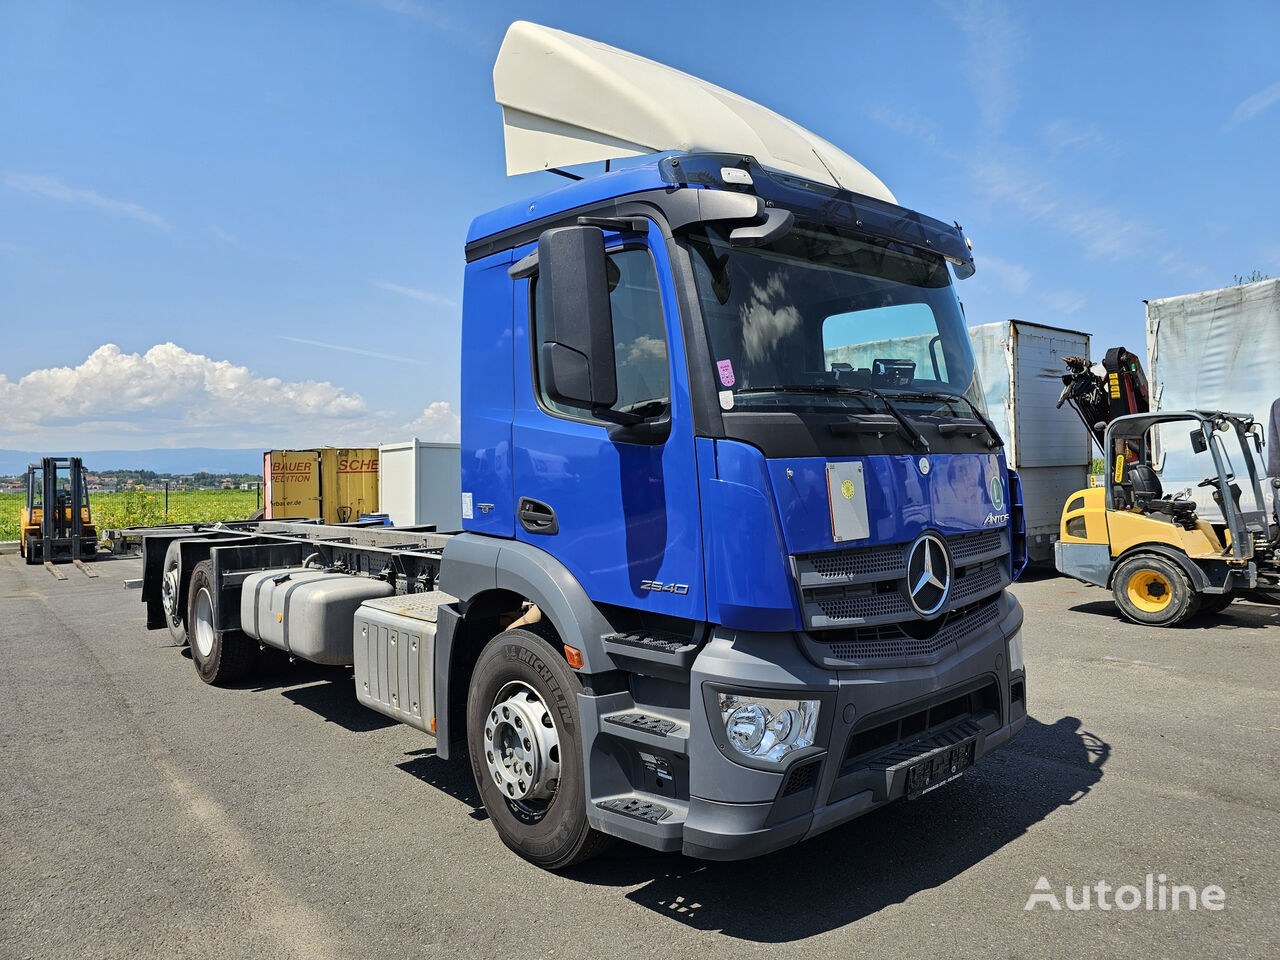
point(726, 372)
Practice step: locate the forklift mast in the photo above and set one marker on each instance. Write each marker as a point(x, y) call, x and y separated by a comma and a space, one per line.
point(1119, 391)
point(57, 525)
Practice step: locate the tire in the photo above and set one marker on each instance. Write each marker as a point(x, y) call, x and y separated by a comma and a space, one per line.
point(220, 656)
point(1153, 590)
point(174, 614)
point(1215, 602)
point(534, 790)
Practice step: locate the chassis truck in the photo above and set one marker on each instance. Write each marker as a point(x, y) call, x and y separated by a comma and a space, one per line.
point(731, 573)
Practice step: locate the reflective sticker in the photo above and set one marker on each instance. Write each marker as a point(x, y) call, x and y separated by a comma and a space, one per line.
point(726, 399)
point(468, 513)
point(725, 367)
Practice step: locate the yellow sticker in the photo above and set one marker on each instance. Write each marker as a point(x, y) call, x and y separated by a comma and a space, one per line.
point(847, 489)
point(1119, 467)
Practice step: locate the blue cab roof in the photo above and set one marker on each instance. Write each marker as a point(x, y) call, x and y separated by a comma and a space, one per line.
point(577, 193)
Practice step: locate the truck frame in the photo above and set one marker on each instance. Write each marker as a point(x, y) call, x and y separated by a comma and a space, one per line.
point(730, 573)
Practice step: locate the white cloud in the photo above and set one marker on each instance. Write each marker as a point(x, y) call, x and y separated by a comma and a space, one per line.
point(1064, 135)
point(995, 45)
point(1014, 277)
point(1250, 107)
point(439, 422)
point(343, 348)
point(425, 296)
point(921, 129)
point(54, 189)
point(172, 397)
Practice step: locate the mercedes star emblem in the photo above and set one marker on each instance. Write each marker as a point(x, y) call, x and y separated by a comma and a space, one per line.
point(928, 575)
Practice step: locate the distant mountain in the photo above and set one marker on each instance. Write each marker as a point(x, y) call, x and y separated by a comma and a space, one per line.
point(177, 460)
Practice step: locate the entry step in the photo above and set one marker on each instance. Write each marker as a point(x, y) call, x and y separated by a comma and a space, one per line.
point(642, 721)
point(636, 807)
point(661, 648)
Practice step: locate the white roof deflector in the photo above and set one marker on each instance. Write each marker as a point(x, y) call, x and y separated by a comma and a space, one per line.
point(568, 100)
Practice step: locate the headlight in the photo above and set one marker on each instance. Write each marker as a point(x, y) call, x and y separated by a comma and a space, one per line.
point(765, 728)
point(1015, 651)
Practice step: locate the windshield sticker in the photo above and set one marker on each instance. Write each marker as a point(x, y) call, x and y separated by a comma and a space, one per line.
point(726, 399)
point(726, 372)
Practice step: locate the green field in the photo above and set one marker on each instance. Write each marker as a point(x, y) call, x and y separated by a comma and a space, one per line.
point(145, 508)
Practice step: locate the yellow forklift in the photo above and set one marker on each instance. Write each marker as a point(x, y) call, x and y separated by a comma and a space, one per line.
point(1166, 557)
point(55, 523)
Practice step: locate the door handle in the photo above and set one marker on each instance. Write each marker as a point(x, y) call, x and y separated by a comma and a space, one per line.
point(536, 517)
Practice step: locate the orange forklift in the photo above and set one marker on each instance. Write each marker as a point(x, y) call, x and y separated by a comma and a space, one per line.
point(55, 524)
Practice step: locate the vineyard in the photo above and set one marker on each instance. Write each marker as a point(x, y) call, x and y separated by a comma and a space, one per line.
point(139, 508)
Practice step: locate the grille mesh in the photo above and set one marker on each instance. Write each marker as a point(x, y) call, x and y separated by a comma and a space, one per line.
point(864, 586)
point(881, 643)
point(859, 563)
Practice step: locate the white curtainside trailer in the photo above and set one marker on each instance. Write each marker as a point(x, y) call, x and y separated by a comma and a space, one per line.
point(1020, 367)
point(1213, 350)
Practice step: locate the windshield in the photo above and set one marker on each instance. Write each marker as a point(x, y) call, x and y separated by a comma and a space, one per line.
point(817, 317)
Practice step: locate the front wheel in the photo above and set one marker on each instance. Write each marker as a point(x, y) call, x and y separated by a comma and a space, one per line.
point(220, 656)
point(525, 742)
point(1153, 590)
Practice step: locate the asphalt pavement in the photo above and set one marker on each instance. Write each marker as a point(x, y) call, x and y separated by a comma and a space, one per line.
point(145, 814)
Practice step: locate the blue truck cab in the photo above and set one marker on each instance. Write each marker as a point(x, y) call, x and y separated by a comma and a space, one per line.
point(737, 533)
point(724, 457)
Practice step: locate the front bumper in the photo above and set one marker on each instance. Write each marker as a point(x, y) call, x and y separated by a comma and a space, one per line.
point(878, 723)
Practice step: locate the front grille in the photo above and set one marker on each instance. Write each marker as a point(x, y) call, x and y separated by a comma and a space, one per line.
point(865, 587)
point(891, 642)
point(847, 564)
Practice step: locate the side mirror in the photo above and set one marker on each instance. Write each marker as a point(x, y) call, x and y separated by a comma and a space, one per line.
point(575, 321)
point(1198, 442)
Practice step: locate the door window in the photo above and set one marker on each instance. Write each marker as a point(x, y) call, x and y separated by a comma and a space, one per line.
point(639, 336)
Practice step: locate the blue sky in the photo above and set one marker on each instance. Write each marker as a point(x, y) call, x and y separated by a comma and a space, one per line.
point(281, 190)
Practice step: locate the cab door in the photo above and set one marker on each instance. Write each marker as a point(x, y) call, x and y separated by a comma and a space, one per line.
point(616, 506)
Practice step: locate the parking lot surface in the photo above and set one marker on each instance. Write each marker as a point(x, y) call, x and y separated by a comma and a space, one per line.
point(146, 814)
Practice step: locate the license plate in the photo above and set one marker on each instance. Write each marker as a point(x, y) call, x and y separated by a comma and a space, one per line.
point(939, 768)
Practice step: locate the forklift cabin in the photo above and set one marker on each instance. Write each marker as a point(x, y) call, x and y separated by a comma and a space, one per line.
point(1164, 556)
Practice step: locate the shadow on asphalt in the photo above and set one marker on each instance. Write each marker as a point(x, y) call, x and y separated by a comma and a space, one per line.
point(875, 861)
point(453, 776)
point(1240, 615)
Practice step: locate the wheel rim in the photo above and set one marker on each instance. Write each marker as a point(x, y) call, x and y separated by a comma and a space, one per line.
point(169, 596)
point(1150, 591)
point(522, 749)
point(204, 632)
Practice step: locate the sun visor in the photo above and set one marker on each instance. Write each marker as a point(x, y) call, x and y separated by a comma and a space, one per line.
point(568, 100)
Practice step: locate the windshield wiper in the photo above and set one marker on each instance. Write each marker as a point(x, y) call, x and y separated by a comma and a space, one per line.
point(942, 397)
point(908, 427)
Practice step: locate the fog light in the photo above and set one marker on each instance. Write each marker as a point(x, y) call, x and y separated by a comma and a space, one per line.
point(767, 728)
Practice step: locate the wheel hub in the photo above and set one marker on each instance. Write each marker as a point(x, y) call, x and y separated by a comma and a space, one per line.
point(521, 747)
point(1150, 591)
point(169, 596)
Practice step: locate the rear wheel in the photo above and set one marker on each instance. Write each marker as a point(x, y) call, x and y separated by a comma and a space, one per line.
point(1153, 590)
point(170, 599)
point(525, 743)
point(220, 656)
